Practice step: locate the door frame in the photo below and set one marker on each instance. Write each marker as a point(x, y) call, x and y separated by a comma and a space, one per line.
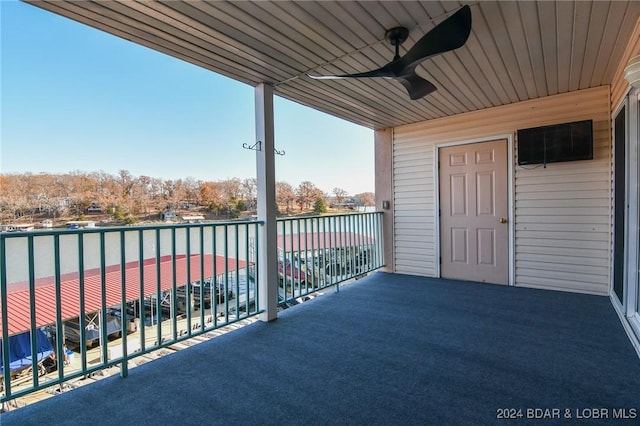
point(620, 304)
point(510, 196)
point(633, 223)
point(628, 309)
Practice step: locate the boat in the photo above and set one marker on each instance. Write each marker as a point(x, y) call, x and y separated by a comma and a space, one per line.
point(21, 360)
point(93, 327)
point(81, 224)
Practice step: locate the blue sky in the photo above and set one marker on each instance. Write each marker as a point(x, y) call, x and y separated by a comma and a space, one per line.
point(75, 98)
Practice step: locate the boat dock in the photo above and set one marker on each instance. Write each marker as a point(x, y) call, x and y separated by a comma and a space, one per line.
point(114, 349)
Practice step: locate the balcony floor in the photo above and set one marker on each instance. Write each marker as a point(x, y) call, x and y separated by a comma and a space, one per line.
point(388, 349)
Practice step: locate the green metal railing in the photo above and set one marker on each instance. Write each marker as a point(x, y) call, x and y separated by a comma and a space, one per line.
point(324, 251)
point(101, 297)
point(128, 291)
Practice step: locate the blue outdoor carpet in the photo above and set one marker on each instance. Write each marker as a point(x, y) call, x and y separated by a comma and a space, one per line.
point(389, 349)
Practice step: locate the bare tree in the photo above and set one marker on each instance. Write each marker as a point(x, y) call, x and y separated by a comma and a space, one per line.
point(173, 191)
point(14, 197)
point(365, 199)
point(306, 194)
point(232, 188)
point(249, 190)
point(108, 191)
point(80, 189)
point(285, 195)
point(126, 181)
point(232, 194)
point(155, 193)
point(211, 194)
point(340, 195)
point(142, 194)
point(191, 192)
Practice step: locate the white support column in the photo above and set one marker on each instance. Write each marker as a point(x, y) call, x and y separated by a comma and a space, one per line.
point(384, 191)
point(265, 168)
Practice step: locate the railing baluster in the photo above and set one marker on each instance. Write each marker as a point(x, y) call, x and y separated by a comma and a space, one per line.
point(158, 298)
point(255, 267)
point(82, 323)
point(226, 273)
point(288, 266)
point(103, 299)
point(371, 240)
point(124, 365)
point(381, 260)
point(141, 277)
point(237, 267)
point(325, 245)
point(310, 250)
point(246, 268)
point(60, 352)
point(6, 378)
point(348, 236)
point(173, 312)
point(32, 306)
point(298, 272)
point(305, 251)
point(202, 283)
point(218, 291)
point(187, 287)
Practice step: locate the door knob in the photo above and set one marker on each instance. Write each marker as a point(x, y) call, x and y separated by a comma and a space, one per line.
point(503, 220)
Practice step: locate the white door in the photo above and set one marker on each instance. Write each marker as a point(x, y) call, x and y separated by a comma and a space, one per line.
point(474, 233)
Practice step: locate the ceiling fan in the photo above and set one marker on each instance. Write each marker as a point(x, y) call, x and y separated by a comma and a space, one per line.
point(448, 35)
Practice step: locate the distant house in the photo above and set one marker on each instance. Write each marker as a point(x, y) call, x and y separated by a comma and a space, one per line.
point(168, 216)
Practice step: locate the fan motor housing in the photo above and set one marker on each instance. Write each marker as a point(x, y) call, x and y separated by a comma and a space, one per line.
point(396, 36)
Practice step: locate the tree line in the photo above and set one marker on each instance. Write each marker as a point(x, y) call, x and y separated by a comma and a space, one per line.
point(126, 196)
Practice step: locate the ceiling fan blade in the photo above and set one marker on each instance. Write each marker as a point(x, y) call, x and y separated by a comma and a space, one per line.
point(416, 85)
point(448, 35)
point(380, 72)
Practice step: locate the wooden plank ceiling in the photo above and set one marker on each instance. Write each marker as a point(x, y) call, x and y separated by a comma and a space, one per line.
point(516, 50)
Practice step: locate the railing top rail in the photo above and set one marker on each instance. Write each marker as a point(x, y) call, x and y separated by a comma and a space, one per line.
point(282, 219)
point(68, 231)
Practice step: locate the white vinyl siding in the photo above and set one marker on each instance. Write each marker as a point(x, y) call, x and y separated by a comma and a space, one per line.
point(562, 212)
point(414, 225)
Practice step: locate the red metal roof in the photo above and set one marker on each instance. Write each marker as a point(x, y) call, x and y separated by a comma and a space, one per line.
point(321, 240)
point(18, 294)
